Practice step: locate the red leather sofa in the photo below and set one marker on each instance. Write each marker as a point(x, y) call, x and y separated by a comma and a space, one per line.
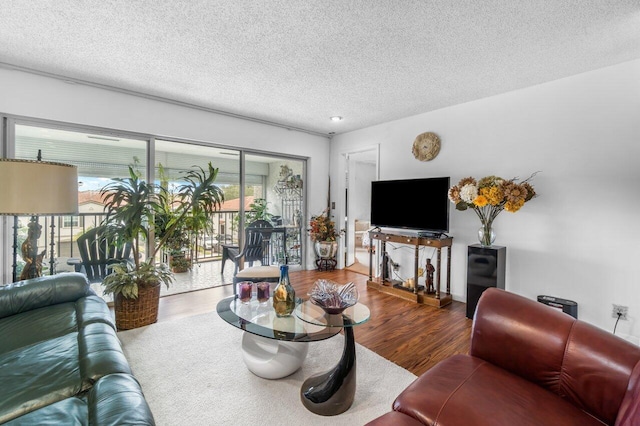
point(529, 364)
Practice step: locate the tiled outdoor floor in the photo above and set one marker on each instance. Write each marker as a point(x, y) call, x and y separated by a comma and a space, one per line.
point(202, 275)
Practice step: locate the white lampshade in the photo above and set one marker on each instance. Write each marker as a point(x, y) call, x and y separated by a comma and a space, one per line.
point(37, 188)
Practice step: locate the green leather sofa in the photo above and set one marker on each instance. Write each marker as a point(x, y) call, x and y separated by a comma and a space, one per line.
point(60, 358)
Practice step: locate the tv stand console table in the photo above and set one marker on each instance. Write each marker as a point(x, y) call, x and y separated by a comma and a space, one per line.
point(419, 294)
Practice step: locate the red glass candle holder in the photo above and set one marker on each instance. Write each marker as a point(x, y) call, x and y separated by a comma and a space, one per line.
point(244, 291)
point(263, 290)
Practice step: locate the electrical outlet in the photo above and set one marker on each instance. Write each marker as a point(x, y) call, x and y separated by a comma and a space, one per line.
point(619, 309)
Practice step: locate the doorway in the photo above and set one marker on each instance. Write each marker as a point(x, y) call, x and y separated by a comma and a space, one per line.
point(362, 169)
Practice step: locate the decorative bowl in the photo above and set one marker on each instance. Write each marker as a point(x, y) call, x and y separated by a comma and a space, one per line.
point(332, 297)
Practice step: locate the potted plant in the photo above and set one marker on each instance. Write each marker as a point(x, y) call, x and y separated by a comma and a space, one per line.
point(259, 211)
point(323, 233)
point(179, 263)
point(130, 206)
point(178, 242)
point(177, 247)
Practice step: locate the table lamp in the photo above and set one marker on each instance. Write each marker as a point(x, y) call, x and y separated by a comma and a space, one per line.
point(36, 188)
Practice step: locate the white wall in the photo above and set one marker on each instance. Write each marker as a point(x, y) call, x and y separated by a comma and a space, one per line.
point(36, 96)
point(580, 239)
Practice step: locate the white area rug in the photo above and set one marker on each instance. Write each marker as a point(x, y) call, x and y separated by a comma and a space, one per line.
point(192, 373)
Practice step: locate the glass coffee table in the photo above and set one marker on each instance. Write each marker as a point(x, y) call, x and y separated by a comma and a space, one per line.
point(332, 392)
point(272, 347)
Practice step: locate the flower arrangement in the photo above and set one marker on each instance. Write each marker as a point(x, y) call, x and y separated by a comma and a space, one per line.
point(323, 228)
point(488, 197)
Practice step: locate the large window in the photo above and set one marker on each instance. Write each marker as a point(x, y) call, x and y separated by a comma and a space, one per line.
point(254, 185)
point(99, 157)
point(172, 160)
point(70, 221)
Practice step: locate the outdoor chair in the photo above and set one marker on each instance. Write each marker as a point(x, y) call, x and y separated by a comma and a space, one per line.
point(97, 252)
point(256, 245)
point(256, 248)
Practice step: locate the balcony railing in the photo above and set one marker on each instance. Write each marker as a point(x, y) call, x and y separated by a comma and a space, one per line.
point(59, 234)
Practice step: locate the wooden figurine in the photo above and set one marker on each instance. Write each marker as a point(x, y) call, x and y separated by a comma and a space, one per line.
point(429, 280)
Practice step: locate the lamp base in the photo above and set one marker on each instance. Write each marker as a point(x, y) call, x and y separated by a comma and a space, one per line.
point(30, 255)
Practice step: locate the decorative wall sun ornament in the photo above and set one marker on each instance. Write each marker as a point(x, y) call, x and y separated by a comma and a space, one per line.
point(426, 146)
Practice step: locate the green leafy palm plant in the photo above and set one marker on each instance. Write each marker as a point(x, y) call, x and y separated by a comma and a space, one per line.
point(179, 241)
point(259, 211)
point(131, 205)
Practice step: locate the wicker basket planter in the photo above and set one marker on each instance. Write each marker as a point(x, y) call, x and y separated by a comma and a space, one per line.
point(134, 313)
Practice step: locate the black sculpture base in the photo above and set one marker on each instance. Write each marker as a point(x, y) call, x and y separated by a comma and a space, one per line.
point(332, 393)
point(326, 264)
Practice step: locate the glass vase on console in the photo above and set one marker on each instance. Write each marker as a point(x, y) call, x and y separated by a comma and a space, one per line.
point(489, 196)
point(486, 236)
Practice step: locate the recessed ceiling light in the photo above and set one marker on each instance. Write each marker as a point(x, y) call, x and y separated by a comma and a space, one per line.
point(335, 118)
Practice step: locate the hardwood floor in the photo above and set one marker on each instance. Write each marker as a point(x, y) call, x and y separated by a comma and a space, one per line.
point(415, 337)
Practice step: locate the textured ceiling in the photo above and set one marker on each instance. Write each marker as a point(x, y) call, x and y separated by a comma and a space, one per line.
point(296, 63)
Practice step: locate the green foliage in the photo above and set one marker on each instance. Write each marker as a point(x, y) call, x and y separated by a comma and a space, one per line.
point(258, 211)
point(180, 263)
point(165, 216)
point(129, 208)
point(134, 208)
point(125, 278)
point(198, 198)
point(179, 241)
point(462, 206)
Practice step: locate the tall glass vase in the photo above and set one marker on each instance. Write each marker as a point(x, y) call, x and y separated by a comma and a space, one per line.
point(284, 296)
point(486, 236)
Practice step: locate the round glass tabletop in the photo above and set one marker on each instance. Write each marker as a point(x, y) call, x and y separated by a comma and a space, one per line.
point(260, 319)
point(315, 315)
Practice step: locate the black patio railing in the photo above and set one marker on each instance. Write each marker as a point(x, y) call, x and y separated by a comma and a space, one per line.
point(59, 234)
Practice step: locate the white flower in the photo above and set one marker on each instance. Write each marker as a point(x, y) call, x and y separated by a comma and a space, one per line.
point(468, 193)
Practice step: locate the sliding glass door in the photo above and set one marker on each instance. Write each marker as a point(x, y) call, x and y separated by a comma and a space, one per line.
point(203, 241)
point(274, 191)
point(99, 157)
point(255, 186)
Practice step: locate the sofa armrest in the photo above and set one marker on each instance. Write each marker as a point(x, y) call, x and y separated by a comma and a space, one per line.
point(117, 399)
point(629, 414)
point(579, 362)
point(36, 293)
point(522, 336)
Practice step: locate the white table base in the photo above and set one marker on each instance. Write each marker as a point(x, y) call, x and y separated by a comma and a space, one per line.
point(271, 358)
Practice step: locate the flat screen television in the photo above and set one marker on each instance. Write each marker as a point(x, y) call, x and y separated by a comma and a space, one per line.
point(420, 204)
